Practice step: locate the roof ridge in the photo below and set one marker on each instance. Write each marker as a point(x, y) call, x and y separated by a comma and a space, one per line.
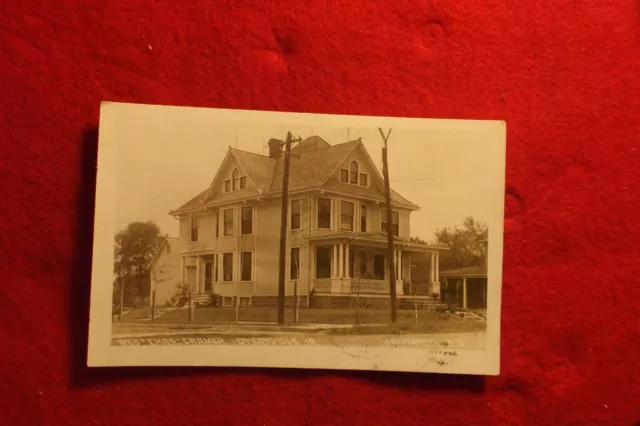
point(250, 152)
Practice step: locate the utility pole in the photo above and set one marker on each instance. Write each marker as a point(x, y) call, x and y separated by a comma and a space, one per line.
point(283, 226)
point(390, 248)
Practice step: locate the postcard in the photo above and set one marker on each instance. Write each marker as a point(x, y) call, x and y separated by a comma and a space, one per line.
point(295, 240)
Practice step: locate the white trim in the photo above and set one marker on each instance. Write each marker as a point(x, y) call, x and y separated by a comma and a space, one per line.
point(224, 227)
point(191, 216)
point(252, 220)
point(353, 218)
point(289, 221)
point(331, 212)
point(224, 299)
point(244, 297)
point(232, 268)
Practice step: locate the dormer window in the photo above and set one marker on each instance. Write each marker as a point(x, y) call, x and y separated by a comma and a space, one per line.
point(353, 176)
point(237, 182)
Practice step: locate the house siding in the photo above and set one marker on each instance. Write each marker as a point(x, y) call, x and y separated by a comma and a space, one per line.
point(165, 274)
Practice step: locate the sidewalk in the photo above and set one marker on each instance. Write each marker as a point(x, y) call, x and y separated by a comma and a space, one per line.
point(138, 329)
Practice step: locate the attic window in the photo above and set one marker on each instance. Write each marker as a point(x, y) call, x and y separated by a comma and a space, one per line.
point(353, 176)
point(236, 182)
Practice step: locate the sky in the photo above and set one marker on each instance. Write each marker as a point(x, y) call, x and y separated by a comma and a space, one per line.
point(167, 155)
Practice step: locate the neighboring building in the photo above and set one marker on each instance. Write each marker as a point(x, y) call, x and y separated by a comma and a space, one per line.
point(164, 271)
point(465, 287)
point(336, 240)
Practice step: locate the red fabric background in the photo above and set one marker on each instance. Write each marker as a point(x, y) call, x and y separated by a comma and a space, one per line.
point(565, 75)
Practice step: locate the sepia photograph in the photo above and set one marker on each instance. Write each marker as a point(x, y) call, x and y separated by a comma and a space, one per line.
point(297, 240)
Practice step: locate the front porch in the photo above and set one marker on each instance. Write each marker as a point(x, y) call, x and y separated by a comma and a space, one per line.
point(358, 264)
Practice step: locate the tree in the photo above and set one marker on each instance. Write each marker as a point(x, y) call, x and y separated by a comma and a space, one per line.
point(134, 247)
point(466, 244)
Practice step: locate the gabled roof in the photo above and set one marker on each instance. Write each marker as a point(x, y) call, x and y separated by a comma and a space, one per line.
point(312, 163)
point(167, 240)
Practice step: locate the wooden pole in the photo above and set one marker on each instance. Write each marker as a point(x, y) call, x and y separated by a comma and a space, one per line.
point(153, 306)
point(295, 302)
point(390, 250)
point(283, 229)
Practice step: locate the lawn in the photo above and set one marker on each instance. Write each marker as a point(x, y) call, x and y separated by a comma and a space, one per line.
point(427, 321)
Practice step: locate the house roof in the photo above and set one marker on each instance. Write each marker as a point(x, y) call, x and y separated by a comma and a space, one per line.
point(378, 238)
point(313, 162)
point(164, 242)
point(470, 272)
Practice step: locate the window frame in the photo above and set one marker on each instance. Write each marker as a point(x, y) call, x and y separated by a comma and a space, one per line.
point(292, 214)
point(243, 220)
point(241, 265)
point(224, 222)
point(196, 220)
point(298, 268)
point(330, 213)
point(353, 215)
point(383, 218)
point(364, 209)
point(346, 175)
point(224, 280)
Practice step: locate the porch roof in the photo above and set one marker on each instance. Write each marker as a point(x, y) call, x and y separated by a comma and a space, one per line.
point(376, 239)
point(470, 272)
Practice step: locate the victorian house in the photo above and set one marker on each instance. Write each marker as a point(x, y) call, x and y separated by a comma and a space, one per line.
point(336, 237)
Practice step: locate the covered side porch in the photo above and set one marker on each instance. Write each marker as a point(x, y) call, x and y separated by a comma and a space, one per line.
point(351, 264)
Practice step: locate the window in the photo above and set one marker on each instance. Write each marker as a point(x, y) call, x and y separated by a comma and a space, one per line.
point(227, 267)
point(362, 263)
point(168, 249)
point(234, 179)
point(353, 175)
point(295, 214)
point(295, 264)
point(246, 266)
point(228, 222)
point(244, 300)
point(236, 182)
point(227, 301)
point(217, 218)
point(194, 228)
point(324, 213)
point(346, 216)
point(378, 266)
point(215, 268)
point(363, 218)
point(354, 172)
point(323, 262)
point(247, 221)
point(395, 222)
point(208, 276)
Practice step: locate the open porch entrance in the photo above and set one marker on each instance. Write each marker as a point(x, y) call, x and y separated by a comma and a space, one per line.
point(358, 264)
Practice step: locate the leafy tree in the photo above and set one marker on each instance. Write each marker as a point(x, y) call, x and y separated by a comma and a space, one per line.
point(466, 244)
point(134, 247)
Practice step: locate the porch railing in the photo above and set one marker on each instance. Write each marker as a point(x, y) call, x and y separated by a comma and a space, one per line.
point(369, 287)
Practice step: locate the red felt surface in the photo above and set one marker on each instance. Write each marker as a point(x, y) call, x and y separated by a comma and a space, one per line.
point(565, 75)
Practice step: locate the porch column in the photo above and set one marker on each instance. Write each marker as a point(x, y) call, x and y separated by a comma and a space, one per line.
point(182, 270)
point(347, 272)
point(437, 269)
point(340, 261)
point(334, 260)
point(464, 293)
point(432, 275)
point(198, 273)
point(400, 264)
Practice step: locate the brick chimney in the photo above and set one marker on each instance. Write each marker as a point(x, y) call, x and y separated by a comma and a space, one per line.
point(275, 150)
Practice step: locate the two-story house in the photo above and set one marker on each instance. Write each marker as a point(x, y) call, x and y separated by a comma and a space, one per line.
point(336, 237)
